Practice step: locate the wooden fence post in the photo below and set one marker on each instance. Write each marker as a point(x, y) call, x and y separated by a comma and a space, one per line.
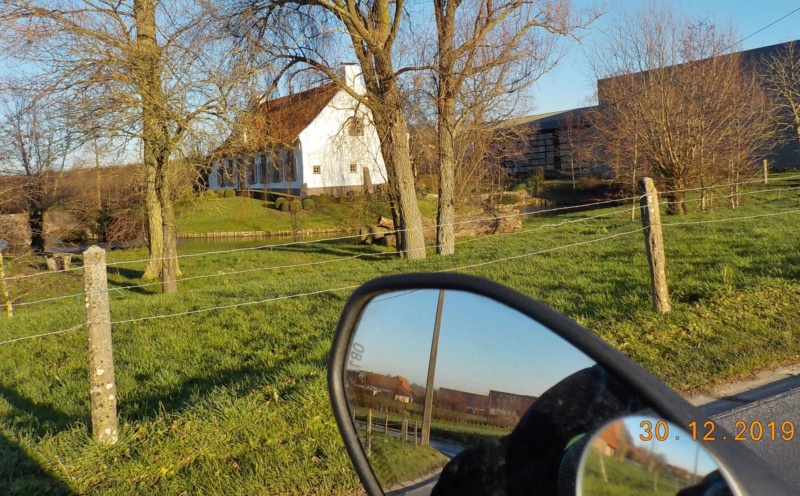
point(766, 171)
point(369, 432)
point(654, 242)
point(102, 385)
point(415, 433)
point(4, 287)
point(386, 425)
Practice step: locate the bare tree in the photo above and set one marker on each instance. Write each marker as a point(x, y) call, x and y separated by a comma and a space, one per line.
point(36, 141)
point(147, 70)
point(372, 28)
point(677, 104)
point(781, 75)
point(505, 46)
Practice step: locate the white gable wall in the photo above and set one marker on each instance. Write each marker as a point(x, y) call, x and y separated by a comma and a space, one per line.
point(326, 143)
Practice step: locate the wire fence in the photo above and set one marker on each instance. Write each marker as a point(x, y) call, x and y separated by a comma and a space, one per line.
point(456, 268)
point(226, 273)
point(539, 212)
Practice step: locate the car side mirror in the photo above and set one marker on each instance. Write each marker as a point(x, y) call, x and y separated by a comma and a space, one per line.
point(451, 384)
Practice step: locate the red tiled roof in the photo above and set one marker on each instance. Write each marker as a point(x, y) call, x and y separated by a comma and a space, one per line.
point(280, 121)
point(285, 118)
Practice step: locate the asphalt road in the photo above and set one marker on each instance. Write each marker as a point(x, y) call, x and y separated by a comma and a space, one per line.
point(778, 402)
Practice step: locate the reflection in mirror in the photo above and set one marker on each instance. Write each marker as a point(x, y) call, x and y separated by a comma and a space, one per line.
point(431, 373)
point(644, 455)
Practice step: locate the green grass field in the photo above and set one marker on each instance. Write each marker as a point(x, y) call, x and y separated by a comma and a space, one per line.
point(234, 401)
point(395, 462)
point(626, 479)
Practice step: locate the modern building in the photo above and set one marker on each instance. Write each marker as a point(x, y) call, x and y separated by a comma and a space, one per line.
point(555, 143)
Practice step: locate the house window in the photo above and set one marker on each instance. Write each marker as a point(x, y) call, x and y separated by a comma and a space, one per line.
point(239, 173)
point(251, 171)
point(316, 169)
point(290, 166)
point(353, 168)
point(226, 171)
point(262, 169)
point(355, 126)
point(275, 175)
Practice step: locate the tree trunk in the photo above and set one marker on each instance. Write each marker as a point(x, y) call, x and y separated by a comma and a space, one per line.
point(162, 234)
point(446, 110)
point(155, 233)
point(391, 124)
point(445, 217)
point(676, 205)
point(36, 224)
point(169, 270)
point(407, 205)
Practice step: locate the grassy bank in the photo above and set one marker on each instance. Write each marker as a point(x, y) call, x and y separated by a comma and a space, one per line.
point(233, 401)
point(211, 214)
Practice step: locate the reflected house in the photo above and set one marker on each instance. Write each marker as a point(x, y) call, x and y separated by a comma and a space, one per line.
point(372, 384)
point(462, 401)
point(509, 404)
point(612, 441)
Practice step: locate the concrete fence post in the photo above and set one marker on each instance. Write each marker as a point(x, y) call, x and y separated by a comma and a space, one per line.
point(4, 287)
point(369, 432)
point(102, 385)
point(654, 242)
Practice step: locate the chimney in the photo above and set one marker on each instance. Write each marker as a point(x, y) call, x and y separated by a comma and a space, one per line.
point(351, 76)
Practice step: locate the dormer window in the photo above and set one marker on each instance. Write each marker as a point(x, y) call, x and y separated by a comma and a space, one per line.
point(355, 126)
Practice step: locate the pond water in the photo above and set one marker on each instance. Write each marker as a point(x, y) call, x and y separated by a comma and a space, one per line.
point(214, 244)
point(197, 245)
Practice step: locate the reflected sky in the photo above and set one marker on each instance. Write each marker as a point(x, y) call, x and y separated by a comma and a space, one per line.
point(483, 345)
point(678, 449)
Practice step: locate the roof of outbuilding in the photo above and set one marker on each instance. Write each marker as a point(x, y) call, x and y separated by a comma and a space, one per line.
point(550, 120)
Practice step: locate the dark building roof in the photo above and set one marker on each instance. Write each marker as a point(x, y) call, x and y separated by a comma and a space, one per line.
point(462, 399)
point(754, 58)
point(550, 120)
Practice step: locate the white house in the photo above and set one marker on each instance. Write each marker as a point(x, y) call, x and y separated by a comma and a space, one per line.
point(316, 141)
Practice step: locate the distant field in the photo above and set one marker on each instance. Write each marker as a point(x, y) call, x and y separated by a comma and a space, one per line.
point(233, 401)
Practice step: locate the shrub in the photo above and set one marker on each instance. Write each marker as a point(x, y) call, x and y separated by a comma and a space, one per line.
point(509, 199)
point(284, 207)
point(586, 183)
point(279, 201)
point(295, 206)
point(219, 193)
point(308, 204)
point(229, 193)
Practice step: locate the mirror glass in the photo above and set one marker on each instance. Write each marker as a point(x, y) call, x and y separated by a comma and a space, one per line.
point(645, 455)
point(455, 393)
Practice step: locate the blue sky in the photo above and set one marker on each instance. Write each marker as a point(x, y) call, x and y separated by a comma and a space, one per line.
point(483, 345)
point(678, 448)
point(570, 84)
